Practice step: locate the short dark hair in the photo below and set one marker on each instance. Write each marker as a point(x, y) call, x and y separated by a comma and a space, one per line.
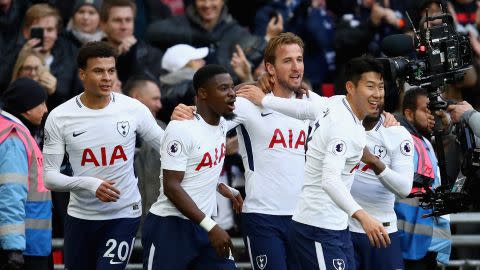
point(109, 4)
point(411, 97)
point(93, 50)
point(355, 67)
point(204, 74)
point(137, 81)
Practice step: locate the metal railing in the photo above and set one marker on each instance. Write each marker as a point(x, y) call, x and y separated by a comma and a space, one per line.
point(466, 240)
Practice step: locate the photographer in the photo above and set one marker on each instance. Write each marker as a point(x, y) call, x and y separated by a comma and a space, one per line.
point(464, 111)
point(424, 240)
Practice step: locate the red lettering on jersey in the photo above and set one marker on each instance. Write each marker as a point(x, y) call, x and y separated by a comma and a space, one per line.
point(120, 155)
point(206, 162)
point(207, 158)
point(104, 156)
point(216, 157)
point(355, 168)
point(223, 151)
point(290, 138)
point(91, 157)
point(279, 140)
point(301, 139)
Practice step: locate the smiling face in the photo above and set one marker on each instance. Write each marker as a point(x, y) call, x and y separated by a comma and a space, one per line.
point(30, 68)
point(367, 94)
point(98, 76)
point(209, 10)
point(119, 24)
point(288, 68)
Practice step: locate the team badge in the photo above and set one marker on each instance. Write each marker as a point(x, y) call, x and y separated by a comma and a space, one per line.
point(261, 261)
point(174, 148)
point(123, 128)
point(380, 151)
point(406, 148)
point(339, 264)
point(339, 148)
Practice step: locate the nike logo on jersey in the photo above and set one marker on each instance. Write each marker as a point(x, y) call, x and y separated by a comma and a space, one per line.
point(265, 114)
point(78, 134)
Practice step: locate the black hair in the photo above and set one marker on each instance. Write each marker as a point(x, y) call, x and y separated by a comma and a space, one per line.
point(137, 81)
point(355, 67)
point(411, 97)
point(93, 50)
point(204, 74)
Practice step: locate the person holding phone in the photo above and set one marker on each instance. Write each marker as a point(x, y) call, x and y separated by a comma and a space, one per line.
point(40, 32)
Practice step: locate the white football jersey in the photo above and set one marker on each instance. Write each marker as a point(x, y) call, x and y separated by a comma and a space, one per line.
point(198, 149)
point(334, 151)
point(272, 146)
point(101, 144)
point(394, 147)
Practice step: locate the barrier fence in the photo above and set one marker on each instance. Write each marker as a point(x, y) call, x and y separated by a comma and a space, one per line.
point(466, 240)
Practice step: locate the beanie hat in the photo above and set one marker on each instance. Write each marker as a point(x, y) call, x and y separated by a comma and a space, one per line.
point(22, 95)
point(95, 3)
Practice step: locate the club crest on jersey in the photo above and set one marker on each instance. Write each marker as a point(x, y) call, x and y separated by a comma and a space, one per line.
point(123, 128)
point(339, 264)
point(380, 151)
point(406, 148)
point(174, 148)
point(339, 148)
point(261, 261)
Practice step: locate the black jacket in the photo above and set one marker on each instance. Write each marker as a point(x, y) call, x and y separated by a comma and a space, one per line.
point(143, 59)
point(221, 40)
point(63, 67)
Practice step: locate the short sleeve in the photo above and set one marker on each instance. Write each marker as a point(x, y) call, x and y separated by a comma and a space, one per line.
point(54, 141)
point(176, 146)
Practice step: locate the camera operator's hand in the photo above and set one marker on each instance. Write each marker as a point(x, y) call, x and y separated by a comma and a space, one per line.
point(456, 111)
point(430, 120)
point(446, 122)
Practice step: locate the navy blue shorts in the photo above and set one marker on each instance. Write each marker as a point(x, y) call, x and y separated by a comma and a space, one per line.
point(266, 238)
point(99, 244)
point(317, 248)
point(369, 257)
point(174, 243)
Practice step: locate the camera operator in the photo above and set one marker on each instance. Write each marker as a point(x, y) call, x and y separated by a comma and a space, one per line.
point(424, 240)
point(463, 111)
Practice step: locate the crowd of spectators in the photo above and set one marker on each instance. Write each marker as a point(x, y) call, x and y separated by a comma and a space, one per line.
point(161, 43)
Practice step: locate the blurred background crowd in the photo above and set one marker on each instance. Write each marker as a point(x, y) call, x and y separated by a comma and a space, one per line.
point(161, 43)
